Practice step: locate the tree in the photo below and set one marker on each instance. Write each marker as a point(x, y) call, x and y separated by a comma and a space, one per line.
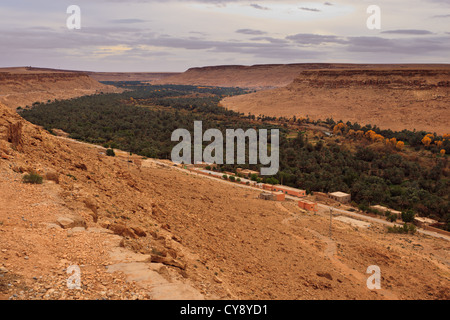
point(400, 145)
point(408, 216)
point(110, 153)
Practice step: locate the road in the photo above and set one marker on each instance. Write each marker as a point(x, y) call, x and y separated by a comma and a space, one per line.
point(325, 207)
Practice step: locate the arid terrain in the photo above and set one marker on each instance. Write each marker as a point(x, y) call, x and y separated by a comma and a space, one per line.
point(253, 77)
point(24, 86)
point(139, 230)
point(396, 98)
point(131, 76)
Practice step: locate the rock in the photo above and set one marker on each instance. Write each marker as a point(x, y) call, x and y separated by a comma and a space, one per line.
point(168, 261)
point(325, 275)
point(52, 175)
point(81, 166)
point(92, 205)
point(53, 226)
point(122, 230)
point(139, 232)
point(3, 270)
point(71, 222)
point(65, 223)
point(76, 230)
point(217, 279)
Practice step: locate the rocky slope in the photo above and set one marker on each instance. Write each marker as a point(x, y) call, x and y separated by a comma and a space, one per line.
point(131, 76)
point(411, 97)
point(141, 231)
point(253, 77)
point(20, 87)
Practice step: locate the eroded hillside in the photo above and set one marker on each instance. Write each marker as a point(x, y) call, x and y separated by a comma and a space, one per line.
point(142, 231)
point(391, 98)
point(20, 87)
point(254, 77)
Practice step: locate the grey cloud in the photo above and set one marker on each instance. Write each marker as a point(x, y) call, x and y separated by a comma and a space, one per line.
point(251, 32)
point(269, 39)
point(308, 38)
point(408, 31)
point(309, 9)
point(410, 46)
point(128, 21)
point(259, 7)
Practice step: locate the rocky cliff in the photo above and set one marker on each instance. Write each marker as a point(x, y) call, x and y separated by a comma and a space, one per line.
point(20, 87)
point(415, 97)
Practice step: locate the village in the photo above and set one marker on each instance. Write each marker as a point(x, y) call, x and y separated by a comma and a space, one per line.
point(309, 203)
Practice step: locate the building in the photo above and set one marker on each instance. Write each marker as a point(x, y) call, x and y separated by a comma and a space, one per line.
point(279, 196)
point(290, 191)
point(268, 187)
point(340, 197)
point(308, 205)
point(247, 173)
point(276, 196)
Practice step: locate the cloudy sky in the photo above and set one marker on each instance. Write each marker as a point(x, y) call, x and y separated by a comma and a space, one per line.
point(174, 35)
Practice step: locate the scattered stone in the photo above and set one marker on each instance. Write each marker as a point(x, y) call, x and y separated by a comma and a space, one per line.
point(139, 232)
point(122, 230)
point(168, 261)
point(71, 222)
point(325, 275)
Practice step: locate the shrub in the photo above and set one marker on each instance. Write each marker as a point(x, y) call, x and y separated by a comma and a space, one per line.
point(407, 228)
point(238, 180)
point(408, 216)
point(232, 179)
point(110, 153)
point(392, 217)
point(225, 177)
point(33, 178)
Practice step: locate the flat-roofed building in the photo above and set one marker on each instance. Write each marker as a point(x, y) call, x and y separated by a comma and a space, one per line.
point(340, 197)
point(290, 191)
point(308, 205)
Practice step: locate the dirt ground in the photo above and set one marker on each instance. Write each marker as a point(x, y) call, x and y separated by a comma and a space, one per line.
point(391, 99)
point(152, 232)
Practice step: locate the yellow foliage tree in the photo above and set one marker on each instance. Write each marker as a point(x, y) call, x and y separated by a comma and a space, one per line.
point(427, 141)
point(442, 152)
point(339, 128)
point(400, 145)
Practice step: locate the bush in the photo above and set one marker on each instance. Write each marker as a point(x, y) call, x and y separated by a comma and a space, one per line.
point(232, 179)
point(33, 178)
point(238, 180)
point(392, 217)
point(225, 177)
point(407, 228)
point(408, 216)
point(110, 153)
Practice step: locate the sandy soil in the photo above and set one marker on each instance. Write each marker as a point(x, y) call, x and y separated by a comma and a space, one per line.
point(151, 232)
point(20, 87)
point(391, 99)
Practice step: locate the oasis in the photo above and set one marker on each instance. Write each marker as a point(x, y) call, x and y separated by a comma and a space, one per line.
point(258, 147)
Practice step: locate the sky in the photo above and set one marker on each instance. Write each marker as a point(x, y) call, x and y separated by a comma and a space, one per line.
point(174, 35)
